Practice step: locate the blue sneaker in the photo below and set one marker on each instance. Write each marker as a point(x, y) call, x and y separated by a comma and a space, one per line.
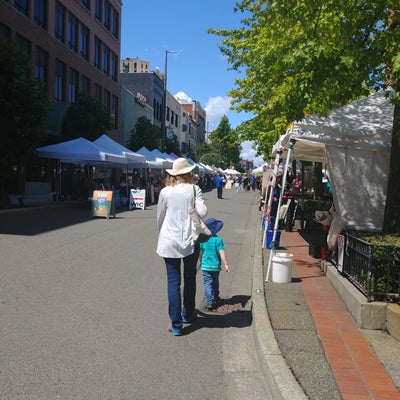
point(188, 320)
point(174, 331)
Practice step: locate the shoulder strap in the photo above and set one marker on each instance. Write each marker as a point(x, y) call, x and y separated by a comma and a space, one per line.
point(194, 196)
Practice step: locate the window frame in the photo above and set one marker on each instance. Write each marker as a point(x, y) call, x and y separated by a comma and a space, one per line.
point(40, 13)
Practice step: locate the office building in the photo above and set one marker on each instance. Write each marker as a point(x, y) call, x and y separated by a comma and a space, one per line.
point(74, 46)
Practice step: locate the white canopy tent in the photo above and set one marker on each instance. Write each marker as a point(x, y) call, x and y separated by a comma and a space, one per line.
point(261, 169)
point(81, 151)
point(231, 171)
point(355, 142)
point(152, 160)
point(133, 159)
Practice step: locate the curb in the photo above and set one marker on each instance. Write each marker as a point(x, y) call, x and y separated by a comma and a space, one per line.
point(270, 357)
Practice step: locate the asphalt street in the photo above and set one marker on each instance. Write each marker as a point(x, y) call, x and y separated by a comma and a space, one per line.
point(83, 310)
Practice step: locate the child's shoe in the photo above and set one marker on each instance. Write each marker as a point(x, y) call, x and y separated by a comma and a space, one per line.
point(174, 331)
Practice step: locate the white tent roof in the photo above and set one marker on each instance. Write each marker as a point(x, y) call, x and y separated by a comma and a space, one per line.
point(231, 171)
point(80, 150)
point(152, 160)
point(112, 146)
point(355, 142)
point(364, 124)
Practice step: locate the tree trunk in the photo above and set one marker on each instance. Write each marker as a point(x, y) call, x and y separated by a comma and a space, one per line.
point(391, 222)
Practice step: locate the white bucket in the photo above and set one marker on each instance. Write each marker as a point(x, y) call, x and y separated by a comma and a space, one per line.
point(282, 267)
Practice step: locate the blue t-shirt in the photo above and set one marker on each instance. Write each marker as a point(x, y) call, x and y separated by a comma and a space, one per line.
point(211, 260)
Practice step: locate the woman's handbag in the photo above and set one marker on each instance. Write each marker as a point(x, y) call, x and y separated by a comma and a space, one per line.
point(198, 225)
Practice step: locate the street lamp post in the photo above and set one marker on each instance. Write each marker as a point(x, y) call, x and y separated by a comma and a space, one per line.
point(164, 117)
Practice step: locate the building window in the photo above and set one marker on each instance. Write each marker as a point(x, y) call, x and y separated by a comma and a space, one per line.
point(60, 22)
point(98, 9)
point(97, 52)
point(41, 64)
point(5, 32)
point(114, 111)
point(72, 32)
point(24, 44)
point(114, 67)
point(84, 42)
point(107, 100)
point(85, 84)
point(98, 92)
point(22, 6)
point(106, 60)
point(59, 83)
point(115, 24)
point(107, 15)
point(73, 85)
point(40, 11)
point(167, 116)
point(86, 3)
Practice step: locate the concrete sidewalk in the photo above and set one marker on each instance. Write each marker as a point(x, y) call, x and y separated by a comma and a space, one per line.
point(330, 357)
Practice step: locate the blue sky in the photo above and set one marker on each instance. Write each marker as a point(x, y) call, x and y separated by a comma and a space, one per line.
point(198, 69)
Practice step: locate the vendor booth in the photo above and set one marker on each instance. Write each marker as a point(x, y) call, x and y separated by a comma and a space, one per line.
point(71, 178)
point(355, 142)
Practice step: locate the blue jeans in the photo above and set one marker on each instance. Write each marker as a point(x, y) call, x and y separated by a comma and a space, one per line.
point(173, 266)
point(211, 286)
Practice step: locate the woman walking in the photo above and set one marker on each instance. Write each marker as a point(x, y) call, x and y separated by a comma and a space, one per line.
point(175, 241)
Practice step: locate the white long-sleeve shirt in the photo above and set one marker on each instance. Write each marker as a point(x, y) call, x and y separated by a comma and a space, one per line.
point(173, 219)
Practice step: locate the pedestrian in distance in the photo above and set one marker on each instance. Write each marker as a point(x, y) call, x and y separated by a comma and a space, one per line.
point(175, 241)
point(212, 254)
point(219, 185)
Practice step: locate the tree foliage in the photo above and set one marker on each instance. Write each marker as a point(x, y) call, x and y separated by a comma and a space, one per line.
point(86, 117)
point(23, 109)
point(314, 56)
point(309, 55)
point(225, 140)
point(172, 145)
point(144, 133)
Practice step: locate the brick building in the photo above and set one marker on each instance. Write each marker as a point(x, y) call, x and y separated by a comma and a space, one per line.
point(74, 46)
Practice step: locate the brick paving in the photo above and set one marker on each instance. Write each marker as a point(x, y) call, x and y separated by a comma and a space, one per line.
point(357, 370)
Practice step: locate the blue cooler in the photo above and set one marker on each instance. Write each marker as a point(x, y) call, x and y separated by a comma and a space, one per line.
point(271, 223)
point(270, 235)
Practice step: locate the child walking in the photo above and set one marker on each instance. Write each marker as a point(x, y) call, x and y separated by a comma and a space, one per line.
point(212, 252)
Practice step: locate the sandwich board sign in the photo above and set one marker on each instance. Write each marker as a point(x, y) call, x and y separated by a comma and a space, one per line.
point(103, 203)
point(137, 198)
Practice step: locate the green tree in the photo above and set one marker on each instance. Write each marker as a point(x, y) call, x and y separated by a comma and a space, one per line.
point(172, 145)
point(207, 153)
point(313, 56)
point(87, 118)
point(225, 141)
point(23, 110)
point(144, 133)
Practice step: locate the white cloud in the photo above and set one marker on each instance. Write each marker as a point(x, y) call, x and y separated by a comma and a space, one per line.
point(216, 108)
point(249, 153)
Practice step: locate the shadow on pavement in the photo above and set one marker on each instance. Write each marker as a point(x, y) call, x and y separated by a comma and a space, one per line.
point(32, 221)
point(230, 314)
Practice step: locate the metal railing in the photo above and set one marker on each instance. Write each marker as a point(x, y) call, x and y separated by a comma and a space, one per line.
point(373, 269)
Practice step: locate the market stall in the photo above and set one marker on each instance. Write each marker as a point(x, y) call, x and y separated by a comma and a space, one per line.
point(355, 142)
